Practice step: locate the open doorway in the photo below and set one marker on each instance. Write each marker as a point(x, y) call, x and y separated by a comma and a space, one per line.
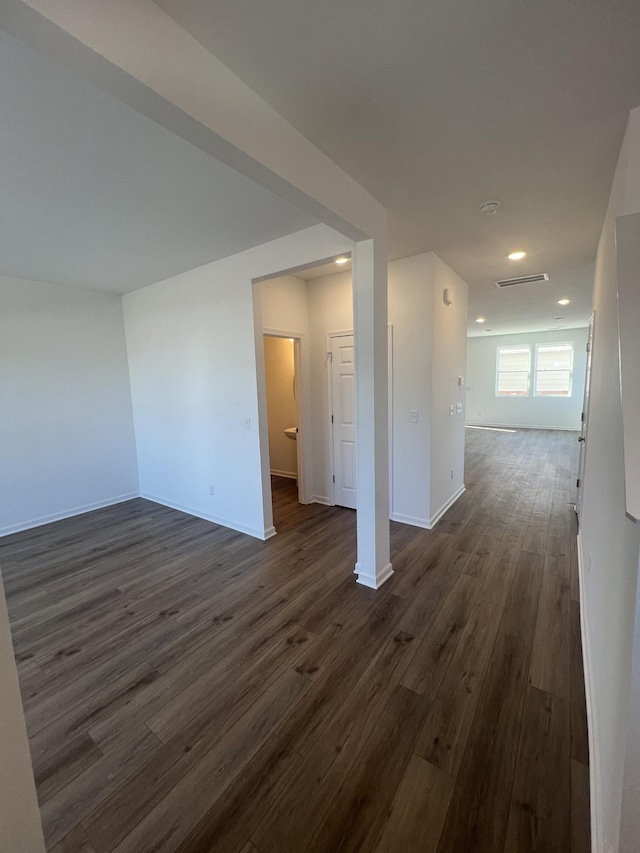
point(300, 306)
point(283, 393)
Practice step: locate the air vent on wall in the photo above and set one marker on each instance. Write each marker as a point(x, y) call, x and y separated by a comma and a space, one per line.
point(523, 279)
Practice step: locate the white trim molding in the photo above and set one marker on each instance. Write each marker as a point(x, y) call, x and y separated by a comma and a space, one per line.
point(521, 426)
point(597, 829)
point(435, 518)
point(367, 579)
point(320, 499)
point(68, 513)
point(428, 524)
point(409, 519)
point(265, 534)
point(290, 475)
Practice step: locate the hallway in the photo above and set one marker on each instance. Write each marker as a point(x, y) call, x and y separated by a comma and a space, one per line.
point(188, 688)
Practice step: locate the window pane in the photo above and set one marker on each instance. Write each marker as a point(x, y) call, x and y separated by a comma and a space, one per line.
point(553, 383)
point(553, 370)
point(513, 384)
point(555, 357)
point(512, 373)
point(513, 358)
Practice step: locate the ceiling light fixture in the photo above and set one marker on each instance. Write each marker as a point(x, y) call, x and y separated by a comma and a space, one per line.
point(489, 207)
point(342, 260)
point(516, 256)
point(480, 320)
point(563, 301)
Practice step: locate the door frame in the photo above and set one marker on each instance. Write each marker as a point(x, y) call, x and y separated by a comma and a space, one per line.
point(584, 425)
point(303, 446)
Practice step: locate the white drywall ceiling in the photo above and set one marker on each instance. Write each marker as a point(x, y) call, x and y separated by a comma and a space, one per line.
point(93, 194)
point(436, 107)
point(324, 270)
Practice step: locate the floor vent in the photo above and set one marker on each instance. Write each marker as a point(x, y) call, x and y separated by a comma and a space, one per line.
point(523, 279)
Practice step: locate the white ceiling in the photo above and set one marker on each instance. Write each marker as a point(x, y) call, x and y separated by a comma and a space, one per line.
point(435, 107)
point(323, 270)
point(94, 194)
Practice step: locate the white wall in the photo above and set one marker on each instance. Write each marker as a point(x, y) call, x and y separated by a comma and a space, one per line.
point(410, 315)
point(20, 827)
point(630, 817)
point(609, 545)
point(195, 352)
point(449, 356)
point(330, 310)
point(66, 431)
point(484, 408)
point(285, 305)
point(421, 482)
point(281, 404)
point(193, 369)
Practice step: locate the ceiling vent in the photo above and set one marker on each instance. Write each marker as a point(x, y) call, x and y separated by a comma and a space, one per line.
point(523, 279)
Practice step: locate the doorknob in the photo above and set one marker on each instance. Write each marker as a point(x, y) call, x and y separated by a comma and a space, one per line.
point(581, 438)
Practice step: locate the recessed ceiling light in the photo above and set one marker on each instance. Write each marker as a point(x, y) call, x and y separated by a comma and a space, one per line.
point(516, 256)
point(488, 330)
point(489, 207)
point(341, 260)
point(480, 320)
point(559, 318)
point(563, 301)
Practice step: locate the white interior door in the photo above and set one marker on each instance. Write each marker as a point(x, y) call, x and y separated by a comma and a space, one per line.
point(585, 422)
point(343, 416)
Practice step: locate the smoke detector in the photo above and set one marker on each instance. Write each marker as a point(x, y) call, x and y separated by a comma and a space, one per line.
point(489, 207)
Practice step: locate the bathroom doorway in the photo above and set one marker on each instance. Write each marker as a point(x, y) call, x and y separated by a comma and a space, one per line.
point(283, 396)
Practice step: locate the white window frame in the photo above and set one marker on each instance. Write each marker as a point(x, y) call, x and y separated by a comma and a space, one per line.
point(538, 370)
point(498, 372)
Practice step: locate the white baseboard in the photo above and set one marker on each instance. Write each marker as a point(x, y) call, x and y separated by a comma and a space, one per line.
point(520, 426)
point(290, 475)
point(597, 829)
point(319, 499)
point(68, 513)
point(373, 581)
point(435, 518)
point(410, 519)
point(223, 522)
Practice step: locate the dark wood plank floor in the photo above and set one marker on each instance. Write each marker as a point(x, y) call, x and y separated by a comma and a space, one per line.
point(190, 689)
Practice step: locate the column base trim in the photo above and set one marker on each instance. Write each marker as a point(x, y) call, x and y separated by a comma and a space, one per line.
point(373, 582)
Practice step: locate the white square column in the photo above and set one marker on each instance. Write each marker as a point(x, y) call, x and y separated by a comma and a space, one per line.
point(372, 426)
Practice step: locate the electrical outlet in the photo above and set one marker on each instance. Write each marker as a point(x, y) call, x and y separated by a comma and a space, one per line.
point(212, 491)
point(247, 423)
point(458, 408)
point(451, 411)
point(413, 416)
